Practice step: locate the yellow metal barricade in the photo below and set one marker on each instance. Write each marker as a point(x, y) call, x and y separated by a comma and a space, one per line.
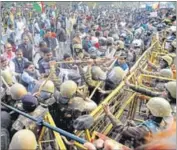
point(145, 80)
point(155, 59)
point(50, 139)
point(155, 56)
point(118, 99)
point(124, 103)
point(130, 111)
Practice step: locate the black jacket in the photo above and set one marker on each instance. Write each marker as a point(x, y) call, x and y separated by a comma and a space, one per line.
point(27, 51)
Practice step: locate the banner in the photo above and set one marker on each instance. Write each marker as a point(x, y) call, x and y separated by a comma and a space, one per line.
point(94, 5)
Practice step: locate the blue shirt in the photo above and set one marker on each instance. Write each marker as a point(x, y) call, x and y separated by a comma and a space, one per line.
point(28, 80)
point(44, 67)
point(124, 66)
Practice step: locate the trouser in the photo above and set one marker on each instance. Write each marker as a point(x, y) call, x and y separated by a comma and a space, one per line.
point(37, 39)
point(54, 52)
point(72, 51)
point(62, 48)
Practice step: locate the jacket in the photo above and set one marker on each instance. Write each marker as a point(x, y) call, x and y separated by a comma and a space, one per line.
point(51, 42)
point(61, 35)
point(27, 51)
point(19, 65)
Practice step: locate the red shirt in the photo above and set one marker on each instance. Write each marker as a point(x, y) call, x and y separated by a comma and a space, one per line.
point(97, 45)
point(89, 18)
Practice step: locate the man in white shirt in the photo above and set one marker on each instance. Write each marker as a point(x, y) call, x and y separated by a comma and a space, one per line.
point(20, 28)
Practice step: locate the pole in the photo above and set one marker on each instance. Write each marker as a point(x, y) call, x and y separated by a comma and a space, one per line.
point(41, 122)
point(101, 60)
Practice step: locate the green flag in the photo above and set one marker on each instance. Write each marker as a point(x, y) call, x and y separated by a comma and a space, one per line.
point(37, 6)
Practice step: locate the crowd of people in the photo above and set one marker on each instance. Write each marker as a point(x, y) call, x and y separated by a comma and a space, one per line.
point(67, 61)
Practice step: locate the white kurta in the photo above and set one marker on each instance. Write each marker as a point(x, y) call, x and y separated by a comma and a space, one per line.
point(20, 29)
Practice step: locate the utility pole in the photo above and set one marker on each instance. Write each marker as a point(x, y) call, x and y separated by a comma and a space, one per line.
point(70, 5)
point(139, 5)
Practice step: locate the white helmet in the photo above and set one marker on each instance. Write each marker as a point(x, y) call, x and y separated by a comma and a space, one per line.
point(173, 29)
point(171, 87)
point(23, 139)
point(136, 43)
point(159, 107)
point(167, 73)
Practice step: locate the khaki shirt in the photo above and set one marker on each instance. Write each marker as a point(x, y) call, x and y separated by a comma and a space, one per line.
point(88, 77)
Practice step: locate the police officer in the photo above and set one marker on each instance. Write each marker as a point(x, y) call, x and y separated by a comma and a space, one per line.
point(94, 74)
point(110, 47)
point(59, 111)
point(46, 95)
point(46, 98)
point(5, 128)
point(15, 92)
point(159, 111)
point(69, 105)
point(169, 92)
point(92, 77)
point(12, 97)
point(23, 139)
point(114, 77)
point(165, 64)
point(30, 106)
point(138, 46)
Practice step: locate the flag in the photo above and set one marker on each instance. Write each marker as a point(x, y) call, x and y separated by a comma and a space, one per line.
point(94, 5)
point(80, 3)
point(38, 6)
point(156, 6)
